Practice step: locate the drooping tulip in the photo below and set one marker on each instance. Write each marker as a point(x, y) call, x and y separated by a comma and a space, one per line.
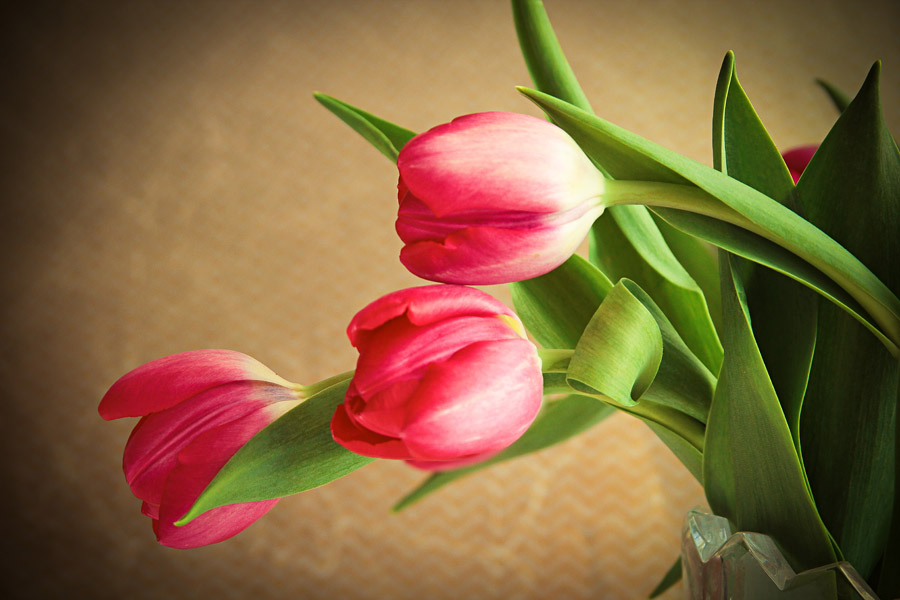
point(797, 158)
point(493, 198)
point(197, 409)
point(445, 373)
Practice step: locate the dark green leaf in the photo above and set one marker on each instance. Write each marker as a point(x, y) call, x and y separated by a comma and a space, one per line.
point(556, 307)
point(751, 472)
point(851, 190)
point(889, 581)
point(558, 421)
point(385, 136)
point(293, 454)
point(782, 311)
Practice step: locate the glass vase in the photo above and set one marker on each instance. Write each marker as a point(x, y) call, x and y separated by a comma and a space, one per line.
point(718, 565)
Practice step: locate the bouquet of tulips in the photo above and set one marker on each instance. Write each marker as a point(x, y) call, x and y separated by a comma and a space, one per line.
point(747, 313)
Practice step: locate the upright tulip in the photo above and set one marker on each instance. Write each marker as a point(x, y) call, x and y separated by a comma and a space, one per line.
point(198, 408)
point(445, 377)
point(492, 198)
point(797, 158)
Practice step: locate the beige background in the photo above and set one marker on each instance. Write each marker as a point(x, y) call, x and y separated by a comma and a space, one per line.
point(170, 184)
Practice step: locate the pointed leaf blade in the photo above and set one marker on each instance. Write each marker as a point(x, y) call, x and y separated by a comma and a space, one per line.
point(386, 137)
point(293, 454)
point(751, 472)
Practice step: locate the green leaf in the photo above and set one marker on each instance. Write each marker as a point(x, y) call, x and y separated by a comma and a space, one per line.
point(751, 472)
point(628, 243)
point(557, 306)
point(699, 259)
point(760, 250)
point(619, 353)
point(558, 421)
point(889, 580)
point(543, 55)
point(724, 198)
point(385, 136)
point(838, 97)
point(634, 248)
point(293, 454)
point(851, 190)
point(672, 576)
point(782, 311)
point(631, 356)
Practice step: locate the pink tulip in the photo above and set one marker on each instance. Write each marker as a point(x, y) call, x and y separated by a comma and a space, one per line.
point(493, 198)
point(797, 158)
point(197, 409)
point(445, 373)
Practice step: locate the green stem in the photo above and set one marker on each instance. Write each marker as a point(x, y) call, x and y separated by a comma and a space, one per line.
point(783, 227)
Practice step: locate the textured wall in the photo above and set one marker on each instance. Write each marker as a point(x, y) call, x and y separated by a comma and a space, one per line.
point(170, 184)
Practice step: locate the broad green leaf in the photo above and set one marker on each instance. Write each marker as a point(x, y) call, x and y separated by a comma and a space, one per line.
point(620, 351)
point(851, 190)
point(712, 193)
point(293, 454)
point(634, 247)
point(682, 381)
point(838, 97)
point(628, 243)
point(782, 311)
point(558, 421)
point(672, 576)
point(889, 580)
point(557, 306)
point(629, 355)
point(751, 472)
point(699, 259)
point(385, 136)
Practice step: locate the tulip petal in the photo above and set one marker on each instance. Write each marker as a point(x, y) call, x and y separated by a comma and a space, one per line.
point(528, 163)
point(422, 306)
point(383, 412)
point(399, 350)
point(362, 441)
point(488, 255)
point(155, 443)
point(167, 381)
point(198, 464)
point(480, 400)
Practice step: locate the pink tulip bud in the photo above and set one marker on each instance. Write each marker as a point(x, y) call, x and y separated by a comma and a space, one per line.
point(445, 373)
point(797, 158)
point(198, 408)
point(493, 198)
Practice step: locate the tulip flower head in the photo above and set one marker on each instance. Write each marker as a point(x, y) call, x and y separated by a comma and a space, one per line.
point(445, 373)
point(493, 198)
point(797, 158)
point(197, 409)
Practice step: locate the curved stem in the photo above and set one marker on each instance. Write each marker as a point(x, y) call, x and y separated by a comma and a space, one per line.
point(783, 227)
